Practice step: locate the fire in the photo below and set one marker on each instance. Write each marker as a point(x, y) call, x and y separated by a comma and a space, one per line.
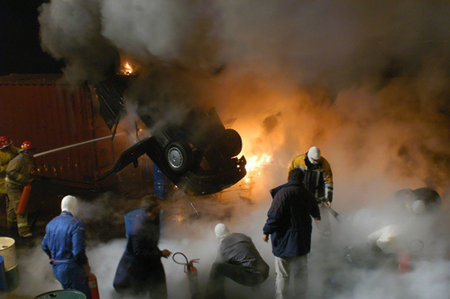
point(127, 69)
point(255, 164)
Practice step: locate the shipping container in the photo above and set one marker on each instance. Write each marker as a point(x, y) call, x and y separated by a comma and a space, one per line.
point(52, 114)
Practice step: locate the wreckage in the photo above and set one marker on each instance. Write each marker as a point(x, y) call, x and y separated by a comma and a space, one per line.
point(197, 153)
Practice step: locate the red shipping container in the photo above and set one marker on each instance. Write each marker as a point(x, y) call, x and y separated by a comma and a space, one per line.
point(51, 114)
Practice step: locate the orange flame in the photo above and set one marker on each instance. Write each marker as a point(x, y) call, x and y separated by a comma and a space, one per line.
point(255, 164)
point(127, 69)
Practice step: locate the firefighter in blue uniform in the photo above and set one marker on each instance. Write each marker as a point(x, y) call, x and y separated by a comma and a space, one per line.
point(65, 246)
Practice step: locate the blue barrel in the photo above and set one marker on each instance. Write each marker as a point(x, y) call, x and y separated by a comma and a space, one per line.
point(62, 294)
point(12, 278)
point(131, 216)
point(3, 285)
point(129, 219)
point(159, 182)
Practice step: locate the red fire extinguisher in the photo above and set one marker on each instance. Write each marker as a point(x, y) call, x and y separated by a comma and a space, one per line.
point(191, 272)
point(93, 286)
point(404, 264)
point(23, 202)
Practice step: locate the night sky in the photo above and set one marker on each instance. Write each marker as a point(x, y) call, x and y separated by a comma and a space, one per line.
point(20, 50)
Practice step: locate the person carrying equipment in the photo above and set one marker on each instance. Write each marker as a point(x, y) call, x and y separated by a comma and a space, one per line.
point(19, 173)
point(319, 181)
point(7, 152)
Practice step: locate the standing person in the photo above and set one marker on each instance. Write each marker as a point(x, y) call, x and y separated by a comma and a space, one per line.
point(238, 259)
point(7, 152)
point(140, 270)
point(289, 226)
point(65, 246)
point(19, 173)
point(319, 181)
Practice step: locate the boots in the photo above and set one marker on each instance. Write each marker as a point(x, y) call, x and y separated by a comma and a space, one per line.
point(25, 232)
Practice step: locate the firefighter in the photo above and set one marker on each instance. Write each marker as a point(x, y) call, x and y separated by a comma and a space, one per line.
point(19, 173)
point(7, 152)
point(65, 246)
point(319, 181)
point(238, 259)
point(140, 270)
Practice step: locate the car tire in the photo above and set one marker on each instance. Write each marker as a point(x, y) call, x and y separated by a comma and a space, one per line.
point(231, 143)
point(178, 156)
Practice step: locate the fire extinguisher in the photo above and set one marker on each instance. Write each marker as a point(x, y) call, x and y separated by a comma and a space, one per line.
point(191, 273)
point(404, 264)
point(93, 286)
point(23, 202)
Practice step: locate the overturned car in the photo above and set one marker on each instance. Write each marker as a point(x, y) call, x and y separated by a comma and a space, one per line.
point(196, 152)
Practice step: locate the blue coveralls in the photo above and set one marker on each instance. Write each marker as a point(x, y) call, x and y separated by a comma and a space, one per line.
point(64, 244)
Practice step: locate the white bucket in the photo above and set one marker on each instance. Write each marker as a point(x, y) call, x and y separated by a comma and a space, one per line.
point(8, 251)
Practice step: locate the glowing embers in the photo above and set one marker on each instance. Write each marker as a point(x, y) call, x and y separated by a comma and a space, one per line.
point(254, 166)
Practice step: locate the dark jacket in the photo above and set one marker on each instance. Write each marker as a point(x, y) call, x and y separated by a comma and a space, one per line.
point(289, 220)
point(238, 249)
point(142, 257)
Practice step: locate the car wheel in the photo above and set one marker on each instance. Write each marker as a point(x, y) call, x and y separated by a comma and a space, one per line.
point(178, 156)
point(231, 143)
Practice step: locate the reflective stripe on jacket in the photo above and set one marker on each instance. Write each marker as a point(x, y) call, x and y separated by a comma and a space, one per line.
point(5, 157)
point(20, 169)
point(318, 178)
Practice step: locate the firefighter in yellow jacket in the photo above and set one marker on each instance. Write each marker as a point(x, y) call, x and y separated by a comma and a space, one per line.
point(19, 173)
point(7, 152)
point(319, 181)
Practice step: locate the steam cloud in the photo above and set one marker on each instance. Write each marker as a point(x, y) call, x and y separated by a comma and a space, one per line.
point(366, 81)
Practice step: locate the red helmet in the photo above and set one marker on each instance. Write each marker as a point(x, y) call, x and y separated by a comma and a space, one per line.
point(26, 145)
point(4, 141)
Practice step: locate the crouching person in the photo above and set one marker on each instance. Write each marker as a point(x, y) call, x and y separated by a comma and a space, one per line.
point(238, 259)
point(65, 246)
point(140, 271)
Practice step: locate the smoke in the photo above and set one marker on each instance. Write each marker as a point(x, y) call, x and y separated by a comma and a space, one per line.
point(344, 76)
point(366, 81)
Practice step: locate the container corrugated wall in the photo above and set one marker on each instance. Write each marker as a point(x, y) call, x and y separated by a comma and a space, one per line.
point(52, 115)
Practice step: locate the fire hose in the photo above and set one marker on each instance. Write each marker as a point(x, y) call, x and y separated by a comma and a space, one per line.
point(191, 273)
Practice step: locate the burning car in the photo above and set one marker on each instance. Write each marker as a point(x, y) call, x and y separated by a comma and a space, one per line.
point(197, 153)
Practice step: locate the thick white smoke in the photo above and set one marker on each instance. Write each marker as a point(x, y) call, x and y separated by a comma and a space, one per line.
point(366, 81)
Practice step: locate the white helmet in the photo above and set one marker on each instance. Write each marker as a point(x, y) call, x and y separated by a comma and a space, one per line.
point(70, 204)
point(314, 155)
point(221, 231)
